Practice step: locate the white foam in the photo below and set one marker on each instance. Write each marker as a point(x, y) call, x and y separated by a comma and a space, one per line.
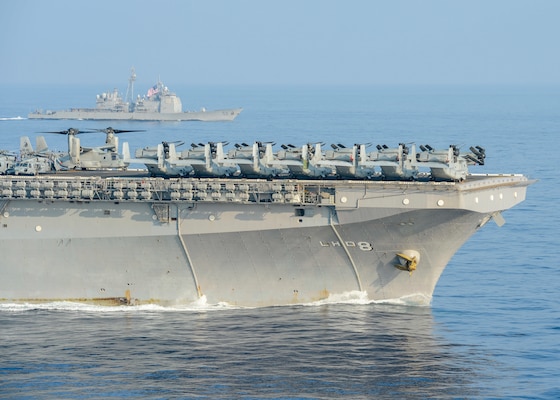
point(11, 118)
point(357, 297)
point(351, 297)
point(198, 305)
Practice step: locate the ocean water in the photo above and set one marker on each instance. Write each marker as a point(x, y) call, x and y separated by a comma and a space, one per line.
point(491, 332)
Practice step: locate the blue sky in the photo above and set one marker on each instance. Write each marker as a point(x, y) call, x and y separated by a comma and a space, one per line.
point(281, 42)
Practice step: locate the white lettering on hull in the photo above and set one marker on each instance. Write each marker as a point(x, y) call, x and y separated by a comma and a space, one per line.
point(364, 246)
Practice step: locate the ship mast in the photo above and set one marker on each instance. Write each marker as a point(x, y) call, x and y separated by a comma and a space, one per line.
point(130, 89)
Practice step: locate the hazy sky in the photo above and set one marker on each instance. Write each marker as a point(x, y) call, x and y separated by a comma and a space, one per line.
point(280, 41)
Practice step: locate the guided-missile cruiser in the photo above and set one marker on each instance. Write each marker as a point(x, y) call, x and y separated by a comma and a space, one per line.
point(157, 104)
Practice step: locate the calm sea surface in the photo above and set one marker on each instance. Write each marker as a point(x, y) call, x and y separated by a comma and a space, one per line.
point(492, 331)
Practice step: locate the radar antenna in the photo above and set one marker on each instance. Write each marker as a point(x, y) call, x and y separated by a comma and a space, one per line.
point(130, 89)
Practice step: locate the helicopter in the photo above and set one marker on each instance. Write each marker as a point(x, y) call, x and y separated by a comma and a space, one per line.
point(33, 161)
point(7, 161)
point(93, 158)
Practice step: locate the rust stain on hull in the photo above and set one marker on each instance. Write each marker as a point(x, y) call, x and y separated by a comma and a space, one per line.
point(101, 301)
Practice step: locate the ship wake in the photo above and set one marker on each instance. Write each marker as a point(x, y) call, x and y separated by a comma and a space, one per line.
point(12, 118)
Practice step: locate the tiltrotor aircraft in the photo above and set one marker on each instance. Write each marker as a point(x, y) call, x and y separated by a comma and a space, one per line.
point(208, 160)
point(250, 161)
point(395, 163)
point(162, 160)
point(308, 162)
point(403, 162)
point(349, 162)
point(304, 162)
point(449, 164)
point(256, 161)
point(100, 157)
point(202, 160)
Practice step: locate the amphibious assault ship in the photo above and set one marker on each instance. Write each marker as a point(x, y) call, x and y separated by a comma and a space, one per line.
point(158, 104)
point(296, 235)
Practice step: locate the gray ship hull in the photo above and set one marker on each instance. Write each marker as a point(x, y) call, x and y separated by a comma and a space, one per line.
point(270, 245)
point(91, 114)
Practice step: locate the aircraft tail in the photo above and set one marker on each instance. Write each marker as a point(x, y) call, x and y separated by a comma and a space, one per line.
point(412, 155)
point(305, 156)
point(256, 159)
point(269, 155)
point(354, 157)
point(220, 152)
point(363, 154)
point(74, 149)
point(208, 155)
point(318, 156)
point(41, 145)
point(160, 155)
point(126, 152)
point(172, 152)
point(25, 145)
